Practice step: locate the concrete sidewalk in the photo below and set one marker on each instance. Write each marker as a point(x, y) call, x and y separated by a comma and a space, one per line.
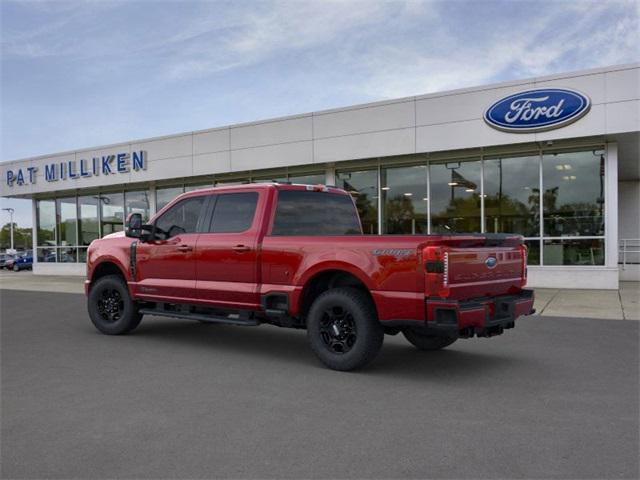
point(623, 304)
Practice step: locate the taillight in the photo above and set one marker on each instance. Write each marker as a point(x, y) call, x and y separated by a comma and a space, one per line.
point(437, 272)
point(523, 261)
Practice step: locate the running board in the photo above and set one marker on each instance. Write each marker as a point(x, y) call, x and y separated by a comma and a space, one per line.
point(249, 322)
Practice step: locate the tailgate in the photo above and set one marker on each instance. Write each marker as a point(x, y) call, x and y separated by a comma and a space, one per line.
point(480, 272)
point(477, 266)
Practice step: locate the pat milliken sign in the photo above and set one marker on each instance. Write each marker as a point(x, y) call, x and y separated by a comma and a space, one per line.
point(537, 110)
point(105, 165)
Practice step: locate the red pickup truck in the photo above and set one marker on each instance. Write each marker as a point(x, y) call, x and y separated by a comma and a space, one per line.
point(295, 256)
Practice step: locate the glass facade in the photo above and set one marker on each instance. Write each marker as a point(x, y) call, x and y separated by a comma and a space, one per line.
point(111, 213)
point(405, 199)
point(67, 229)
point(512, 195)
point(491, 194)
point(363, 186)
point(88, 223)
point(309, 179)
point(46, 230)
point(137, 202)
point(573, 194)
point(197, 186)
point(455, 197)
point(165, 195)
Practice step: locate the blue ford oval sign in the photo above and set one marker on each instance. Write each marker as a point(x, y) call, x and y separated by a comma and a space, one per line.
point(537, 110)
point(491, 262)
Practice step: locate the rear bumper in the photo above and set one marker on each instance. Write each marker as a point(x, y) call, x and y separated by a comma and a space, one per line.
point(483, 317)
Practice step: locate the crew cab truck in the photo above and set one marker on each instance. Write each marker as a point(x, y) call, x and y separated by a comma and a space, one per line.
point(295, 256)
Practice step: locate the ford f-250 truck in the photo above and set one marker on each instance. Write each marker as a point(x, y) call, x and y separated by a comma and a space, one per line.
point(295, 256)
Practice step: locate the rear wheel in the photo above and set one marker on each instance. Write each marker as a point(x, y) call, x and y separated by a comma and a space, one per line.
point(110, 306)
point(16, 268)
point(423, 341)
point(343, 329)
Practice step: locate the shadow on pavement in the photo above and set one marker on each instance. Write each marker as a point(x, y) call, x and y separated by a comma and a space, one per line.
point(269, 342)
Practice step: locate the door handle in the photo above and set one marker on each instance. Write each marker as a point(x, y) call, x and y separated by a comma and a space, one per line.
point(241, 248)
point(185, 248)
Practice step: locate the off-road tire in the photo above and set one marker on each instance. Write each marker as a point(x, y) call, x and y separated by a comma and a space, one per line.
point(108, 321)
point(364, 332)
point(422, 341)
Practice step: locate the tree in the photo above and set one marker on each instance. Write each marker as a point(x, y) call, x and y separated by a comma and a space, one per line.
point(22, 237)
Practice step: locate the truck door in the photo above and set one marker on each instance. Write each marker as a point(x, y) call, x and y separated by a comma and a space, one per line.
point(166, 267)
point(227, 251)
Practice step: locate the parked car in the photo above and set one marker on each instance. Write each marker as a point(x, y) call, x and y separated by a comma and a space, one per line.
point(6, 258)
point(295, 256)
point(22, 262)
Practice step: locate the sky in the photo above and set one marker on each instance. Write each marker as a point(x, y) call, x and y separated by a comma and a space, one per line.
point(82, 74)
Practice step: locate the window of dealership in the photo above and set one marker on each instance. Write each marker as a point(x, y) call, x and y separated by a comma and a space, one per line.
point(412, 194)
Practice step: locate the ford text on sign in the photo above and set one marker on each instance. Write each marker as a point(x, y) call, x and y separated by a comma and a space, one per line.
point(537, 110)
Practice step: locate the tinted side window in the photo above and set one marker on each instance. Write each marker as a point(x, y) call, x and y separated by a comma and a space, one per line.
point(234, 212)
point(300, 212)
point(181, 218)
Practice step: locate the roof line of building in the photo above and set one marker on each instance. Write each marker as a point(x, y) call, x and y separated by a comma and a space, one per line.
point(445, 93)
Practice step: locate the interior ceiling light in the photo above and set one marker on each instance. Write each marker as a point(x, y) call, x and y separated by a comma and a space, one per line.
point(408, 194)
point(572, 177)
point(426, 199)
point(559, 167)
point(469, 190)
point(567, 166)
point(452, 184)
point(385, 188)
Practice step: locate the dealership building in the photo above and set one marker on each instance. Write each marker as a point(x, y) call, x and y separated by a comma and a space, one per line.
point(555, 159)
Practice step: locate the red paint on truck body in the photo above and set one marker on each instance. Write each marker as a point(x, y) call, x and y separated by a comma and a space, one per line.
point(235, 270)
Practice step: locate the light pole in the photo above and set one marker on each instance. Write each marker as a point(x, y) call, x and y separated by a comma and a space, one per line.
point(10, 210)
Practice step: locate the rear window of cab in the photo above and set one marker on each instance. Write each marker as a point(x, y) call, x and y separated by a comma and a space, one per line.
point(311, 213)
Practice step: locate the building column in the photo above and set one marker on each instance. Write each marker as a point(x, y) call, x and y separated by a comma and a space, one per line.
point(153, 207)
point(330, 174)
point(34, 230)
point(611, 205)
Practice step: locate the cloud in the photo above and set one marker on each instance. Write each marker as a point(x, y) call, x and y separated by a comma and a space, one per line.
point(271, 29)
point(557, 39)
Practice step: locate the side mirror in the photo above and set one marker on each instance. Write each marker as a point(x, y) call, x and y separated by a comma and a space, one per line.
point(133, 226)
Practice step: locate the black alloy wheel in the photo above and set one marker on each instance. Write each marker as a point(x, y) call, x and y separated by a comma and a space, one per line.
point(111, 309)
point(343, 328)
point(338, 330)
point(110, 305)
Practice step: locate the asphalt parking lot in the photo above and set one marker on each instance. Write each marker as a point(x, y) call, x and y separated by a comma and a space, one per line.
point(553, 398)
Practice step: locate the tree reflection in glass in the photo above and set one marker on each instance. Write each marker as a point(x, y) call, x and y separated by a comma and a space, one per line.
point(363, 186)
point(404, 199)
point(455, 197)
point(512, 195)
point(574, 194)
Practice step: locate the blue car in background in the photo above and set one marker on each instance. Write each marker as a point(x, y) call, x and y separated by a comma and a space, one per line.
point(23, 262)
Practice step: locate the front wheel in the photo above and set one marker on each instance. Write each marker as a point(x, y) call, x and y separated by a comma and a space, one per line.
point(16, 268)
point(422, 341)
point(343, 329)
point(110, 306)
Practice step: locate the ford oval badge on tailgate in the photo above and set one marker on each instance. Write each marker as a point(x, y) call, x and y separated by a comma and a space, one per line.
point(491, 262)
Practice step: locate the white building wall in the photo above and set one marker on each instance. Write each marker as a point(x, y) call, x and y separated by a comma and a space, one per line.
point(444, 121)
point(428, 123)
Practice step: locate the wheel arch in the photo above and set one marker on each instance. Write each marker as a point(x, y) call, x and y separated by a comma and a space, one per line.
point(327, 278)
point(107, 267)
